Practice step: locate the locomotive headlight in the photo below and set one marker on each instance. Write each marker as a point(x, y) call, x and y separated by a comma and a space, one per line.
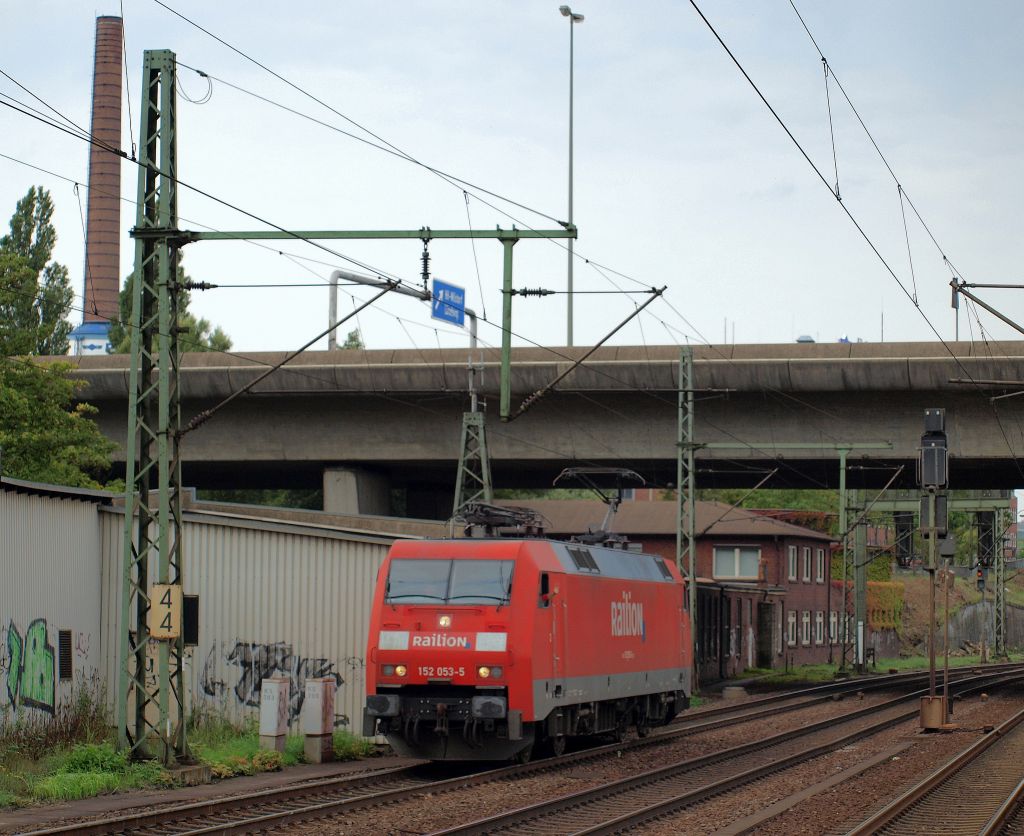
point(483, 671)
point(387, 670)
point(495, 672)
point(400, 670)
point(444, 621)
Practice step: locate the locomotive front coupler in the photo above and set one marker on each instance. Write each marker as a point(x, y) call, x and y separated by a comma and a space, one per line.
point(441, 726)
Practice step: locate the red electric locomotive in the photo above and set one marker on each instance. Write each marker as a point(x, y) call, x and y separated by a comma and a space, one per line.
point(480, 649)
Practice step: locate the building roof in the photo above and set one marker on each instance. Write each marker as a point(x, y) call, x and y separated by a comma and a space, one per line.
point(714, 519)
point(100, 497)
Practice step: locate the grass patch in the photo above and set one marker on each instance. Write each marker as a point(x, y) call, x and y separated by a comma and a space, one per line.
point(230, 748)
point(914, 663)
point(349, 747)
point(32, 734)
point(800, 675)
point(66, 756)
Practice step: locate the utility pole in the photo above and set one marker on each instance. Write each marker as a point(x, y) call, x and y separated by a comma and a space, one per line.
point(151, 694)
point(860, 586)
point(933, 475)
point(686, 494)
point(999, 557)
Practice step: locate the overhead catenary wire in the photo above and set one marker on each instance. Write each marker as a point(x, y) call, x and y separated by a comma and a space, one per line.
point(601, 372)
point(127, 86)
point(846, 209)
point(634, 280)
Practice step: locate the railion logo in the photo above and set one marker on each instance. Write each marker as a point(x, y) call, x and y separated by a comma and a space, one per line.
point(628, 618)
point(445, 640)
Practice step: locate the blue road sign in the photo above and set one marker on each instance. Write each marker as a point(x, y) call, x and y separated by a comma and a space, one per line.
point(448, 302)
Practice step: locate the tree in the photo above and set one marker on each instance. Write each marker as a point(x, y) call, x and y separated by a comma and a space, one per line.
point(35, 293)
point(44, 436)
point(198, 334)
point(353, 340)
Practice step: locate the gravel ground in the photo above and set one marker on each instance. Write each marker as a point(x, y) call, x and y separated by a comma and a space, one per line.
point(429, 813)
point(838, 809)
point(138, 801)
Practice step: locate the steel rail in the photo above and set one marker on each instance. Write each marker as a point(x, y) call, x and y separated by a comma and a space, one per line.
point(917, 798)
point(181, 812)
point(1009, 811)
point(169, 818)
point(818, 694)
point(529, 817)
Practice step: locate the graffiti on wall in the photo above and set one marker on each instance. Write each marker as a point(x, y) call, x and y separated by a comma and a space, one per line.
point(249, 663)
point(29, 665)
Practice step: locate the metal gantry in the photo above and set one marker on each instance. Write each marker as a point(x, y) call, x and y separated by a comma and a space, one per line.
point(686, 492)
point(151, 696)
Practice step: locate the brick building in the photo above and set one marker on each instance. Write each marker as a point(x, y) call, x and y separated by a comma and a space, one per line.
point(764, 591)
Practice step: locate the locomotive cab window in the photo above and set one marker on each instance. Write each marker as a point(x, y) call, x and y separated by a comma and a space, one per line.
point(545, 590)
point(449, 581)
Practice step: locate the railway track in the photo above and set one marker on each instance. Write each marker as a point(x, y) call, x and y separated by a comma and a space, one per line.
point(699, 720)
point(271, 808)
point(619, 805)
point(976, 792)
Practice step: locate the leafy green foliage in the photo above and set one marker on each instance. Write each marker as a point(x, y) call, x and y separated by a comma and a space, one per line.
point(68, 755)
point(312, 499)
point(94, 757)
point(885, 605)
point(234, 749)
point(544, 493)
point(826, 502)
point(353, 340)
point(196, 335)
point(35, 293)
point(45, 437)
point(348, 747)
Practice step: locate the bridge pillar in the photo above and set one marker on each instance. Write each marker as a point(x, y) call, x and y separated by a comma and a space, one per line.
point(354, 491)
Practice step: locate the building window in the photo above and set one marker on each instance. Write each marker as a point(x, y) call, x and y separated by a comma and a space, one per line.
point(833, 627)
point(819, 627)
point(805, 627)
point(737, 562)
point(792, 563)
point(807, 564)
point(791, 628)
point(819, 574)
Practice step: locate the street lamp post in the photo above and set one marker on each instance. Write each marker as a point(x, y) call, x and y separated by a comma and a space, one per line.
point(574, 18)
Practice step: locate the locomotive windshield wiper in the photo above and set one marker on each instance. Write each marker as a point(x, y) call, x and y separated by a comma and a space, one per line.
point(415, 595)
point(498, 598)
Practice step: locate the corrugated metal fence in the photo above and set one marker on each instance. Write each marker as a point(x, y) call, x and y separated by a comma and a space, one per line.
point(49, 599)
point(275, 599)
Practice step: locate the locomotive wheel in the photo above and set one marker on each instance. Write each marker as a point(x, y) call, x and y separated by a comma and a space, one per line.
point(557, 745)
point(525, 755)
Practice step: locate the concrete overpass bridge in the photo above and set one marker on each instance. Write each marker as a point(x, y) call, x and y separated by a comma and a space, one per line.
point(364, 423)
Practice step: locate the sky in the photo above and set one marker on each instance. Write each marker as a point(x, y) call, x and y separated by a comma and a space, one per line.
point(683, 178)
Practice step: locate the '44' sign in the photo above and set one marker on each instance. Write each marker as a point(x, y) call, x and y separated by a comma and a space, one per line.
point(165, 611)
point(448, 302)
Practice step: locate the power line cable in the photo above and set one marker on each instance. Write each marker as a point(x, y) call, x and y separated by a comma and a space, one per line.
point(847, 211)
point(382, 146)
point(127, 91)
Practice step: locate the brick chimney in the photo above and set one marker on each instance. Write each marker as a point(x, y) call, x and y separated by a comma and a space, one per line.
point(103, 234)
